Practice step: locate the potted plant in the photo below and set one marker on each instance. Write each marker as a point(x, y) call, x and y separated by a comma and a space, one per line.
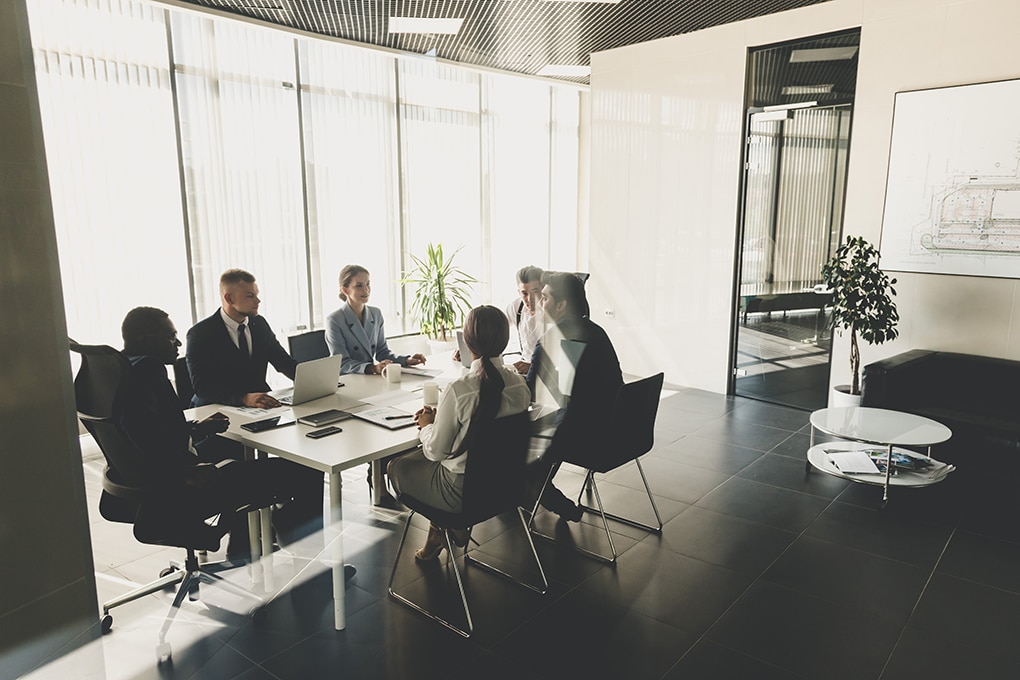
point(861, 300)
point(441, 294)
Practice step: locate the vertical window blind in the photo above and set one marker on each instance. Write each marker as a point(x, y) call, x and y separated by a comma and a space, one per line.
point(180, 145)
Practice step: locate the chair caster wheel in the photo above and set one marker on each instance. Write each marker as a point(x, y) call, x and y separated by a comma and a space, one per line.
point(105, 623)
point(163, 653)
point(167, 571)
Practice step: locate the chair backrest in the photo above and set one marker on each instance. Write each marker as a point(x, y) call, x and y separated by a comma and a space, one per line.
point(98, 392)
point(494, 475)
point(307, 346)
point(182, 382)
point(633, 431)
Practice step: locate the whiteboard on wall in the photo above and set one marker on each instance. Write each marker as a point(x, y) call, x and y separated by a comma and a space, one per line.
point(952, 200)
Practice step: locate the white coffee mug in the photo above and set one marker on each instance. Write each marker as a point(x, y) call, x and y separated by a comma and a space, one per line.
point(392, 373)
point(430, 394)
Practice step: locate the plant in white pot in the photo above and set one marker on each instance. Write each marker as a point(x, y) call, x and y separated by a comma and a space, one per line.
point(861, 300)
point(441, 293)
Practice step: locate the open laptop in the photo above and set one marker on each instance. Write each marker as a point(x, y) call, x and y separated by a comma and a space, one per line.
point(312, 380)
point(465, 353)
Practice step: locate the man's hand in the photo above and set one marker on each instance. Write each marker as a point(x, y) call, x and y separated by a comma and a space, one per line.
point(214, 424)
point(416, 359)
point(259, 400)
point(522, 367)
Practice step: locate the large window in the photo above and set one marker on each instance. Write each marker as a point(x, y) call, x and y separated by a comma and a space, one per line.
point(180, 145)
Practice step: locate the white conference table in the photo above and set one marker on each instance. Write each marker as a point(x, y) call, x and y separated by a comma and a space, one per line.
point(359, 443)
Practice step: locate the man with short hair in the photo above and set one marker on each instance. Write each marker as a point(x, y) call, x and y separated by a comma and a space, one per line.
point(153, 420)
point(576, 368)
point(525, 316)
point(228, 352)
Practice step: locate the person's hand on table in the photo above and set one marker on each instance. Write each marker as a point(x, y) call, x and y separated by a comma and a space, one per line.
point(259, 400)
point(456, 356)
point(416, 359)
point(426, 415)
point(522, 367)
point(214, 424)
point(377, 368)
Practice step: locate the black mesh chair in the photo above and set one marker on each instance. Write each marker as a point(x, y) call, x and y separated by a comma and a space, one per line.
point(307, 346)
point(493, 484)
point(129, 498)
point(631, 434)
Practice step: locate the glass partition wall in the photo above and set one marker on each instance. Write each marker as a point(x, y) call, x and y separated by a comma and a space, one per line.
point(795, 173)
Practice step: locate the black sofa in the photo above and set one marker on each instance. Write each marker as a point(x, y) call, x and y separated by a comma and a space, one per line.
point(977, 397)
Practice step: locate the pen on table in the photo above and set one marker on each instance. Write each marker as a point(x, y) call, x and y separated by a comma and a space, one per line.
point(399, 417)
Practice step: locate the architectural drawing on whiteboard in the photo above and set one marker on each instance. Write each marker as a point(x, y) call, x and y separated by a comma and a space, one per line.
point(952, 202)
point(977, 216)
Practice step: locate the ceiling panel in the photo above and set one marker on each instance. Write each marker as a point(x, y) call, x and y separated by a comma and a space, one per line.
point(521, 36)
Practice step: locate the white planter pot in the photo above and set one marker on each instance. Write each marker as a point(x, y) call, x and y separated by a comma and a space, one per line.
point(442, 346)
point(840, 396)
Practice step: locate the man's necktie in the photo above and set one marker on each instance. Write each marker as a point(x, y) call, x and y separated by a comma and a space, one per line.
point(242, 341)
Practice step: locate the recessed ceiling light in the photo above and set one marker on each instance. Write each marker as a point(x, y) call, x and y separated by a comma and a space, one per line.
point(823, 54)
point(808, 89)
point(565, 71)
point(422, 25)
point(787, 107)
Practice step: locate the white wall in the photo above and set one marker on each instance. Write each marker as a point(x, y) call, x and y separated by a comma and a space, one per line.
point(666, 124)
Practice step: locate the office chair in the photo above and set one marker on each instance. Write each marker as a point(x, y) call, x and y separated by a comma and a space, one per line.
point(307, 346)
point(128, 497)
point(631, 434)
point(182, 382)
point(493, 485)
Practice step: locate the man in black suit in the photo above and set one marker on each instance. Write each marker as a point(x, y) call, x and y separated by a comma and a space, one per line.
point(227, 355)
point(152, 418)
point(228, 352)
point(576, 368)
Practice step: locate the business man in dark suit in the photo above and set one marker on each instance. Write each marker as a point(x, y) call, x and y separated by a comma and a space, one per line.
point(228, 352)
point(575, 367)
point(153, 420)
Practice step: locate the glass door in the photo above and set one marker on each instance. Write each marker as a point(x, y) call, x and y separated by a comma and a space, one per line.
point(795, 172)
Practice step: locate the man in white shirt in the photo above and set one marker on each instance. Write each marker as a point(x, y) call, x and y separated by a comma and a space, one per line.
point(525, 316)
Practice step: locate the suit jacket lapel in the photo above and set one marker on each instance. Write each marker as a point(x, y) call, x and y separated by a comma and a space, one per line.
point(358, 331)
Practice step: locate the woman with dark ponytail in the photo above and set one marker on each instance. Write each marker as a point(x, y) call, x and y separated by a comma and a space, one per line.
point(435, 473)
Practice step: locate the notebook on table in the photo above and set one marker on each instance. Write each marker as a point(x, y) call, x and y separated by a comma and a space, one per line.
point(313, 380)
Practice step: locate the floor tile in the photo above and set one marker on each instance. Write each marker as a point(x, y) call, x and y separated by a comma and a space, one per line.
point(708, 660)
point(984, 560)
point(794, 475)
point(777, 507)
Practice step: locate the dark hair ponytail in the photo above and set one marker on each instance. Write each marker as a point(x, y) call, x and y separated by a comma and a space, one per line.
point(486, 333)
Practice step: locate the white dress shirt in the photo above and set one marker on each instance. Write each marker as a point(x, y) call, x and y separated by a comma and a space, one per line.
point(232, 327)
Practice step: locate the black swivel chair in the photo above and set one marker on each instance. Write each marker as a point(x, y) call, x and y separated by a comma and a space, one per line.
point(493, 484)
point(182, 382)
point(128, 498)
point(307, 346)
point(631, 435)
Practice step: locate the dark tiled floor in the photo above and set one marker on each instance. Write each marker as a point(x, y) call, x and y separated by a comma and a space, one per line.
point(763, 570)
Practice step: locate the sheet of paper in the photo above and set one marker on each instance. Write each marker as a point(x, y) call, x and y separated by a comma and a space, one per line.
point(853, 462)
point(252, 412)
point(390, 398)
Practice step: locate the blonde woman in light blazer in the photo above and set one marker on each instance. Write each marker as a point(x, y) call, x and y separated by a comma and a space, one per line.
point(355, 331)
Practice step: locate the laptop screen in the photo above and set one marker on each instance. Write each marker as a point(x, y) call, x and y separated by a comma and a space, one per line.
point(465, 353)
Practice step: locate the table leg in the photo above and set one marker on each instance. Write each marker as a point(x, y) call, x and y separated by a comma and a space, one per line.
point(811, 443)
point(266, 515)
point(888, 472)
point(334, 539)
point(378, 482)
point(253, 532)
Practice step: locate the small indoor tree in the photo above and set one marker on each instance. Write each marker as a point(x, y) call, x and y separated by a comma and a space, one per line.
point(861, 299)
point(441, 294)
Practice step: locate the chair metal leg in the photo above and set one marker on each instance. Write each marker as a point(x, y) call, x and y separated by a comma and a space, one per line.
point(591, 487)
point(634, 523)
point(451, 559)
point(534, 553)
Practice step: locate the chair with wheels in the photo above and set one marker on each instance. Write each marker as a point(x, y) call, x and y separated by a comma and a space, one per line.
point(630, 435)
point(494, 479)
point(309, 345)
point(129, 498)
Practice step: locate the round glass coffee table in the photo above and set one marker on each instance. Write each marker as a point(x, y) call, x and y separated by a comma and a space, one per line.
point(871, 437)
